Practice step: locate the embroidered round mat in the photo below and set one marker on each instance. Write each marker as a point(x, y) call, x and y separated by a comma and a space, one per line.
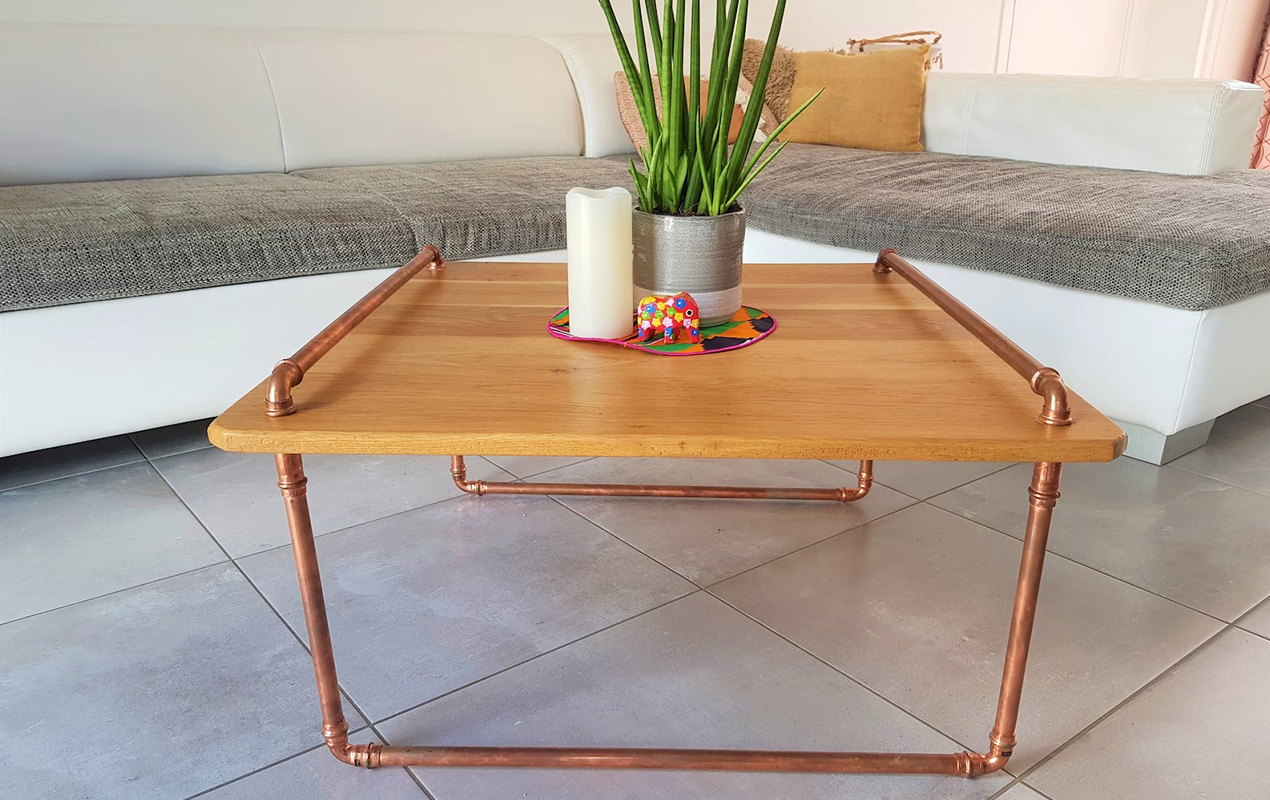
point(746, 327)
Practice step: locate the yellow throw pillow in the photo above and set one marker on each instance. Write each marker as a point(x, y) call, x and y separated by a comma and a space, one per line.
point(871, 100)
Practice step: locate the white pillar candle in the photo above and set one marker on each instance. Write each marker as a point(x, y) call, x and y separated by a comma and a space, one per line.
point(599, 240)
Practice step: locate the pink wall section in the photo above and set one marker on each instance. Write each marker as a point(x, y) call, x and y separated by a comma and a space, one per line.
point(1261, 151)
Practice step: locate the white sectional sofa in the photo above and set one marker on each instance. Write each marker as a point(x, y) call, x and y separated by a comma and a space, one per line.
point(105, 103)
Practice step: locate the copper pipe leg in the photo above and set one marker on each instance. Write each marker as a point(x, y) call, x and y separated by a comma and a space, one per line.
point(864, 482)
point(293, 484)
point(1043, 496)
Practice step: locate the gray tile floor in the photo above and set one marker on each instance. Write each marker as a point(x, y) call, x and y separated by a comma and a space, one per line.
point(152, 645)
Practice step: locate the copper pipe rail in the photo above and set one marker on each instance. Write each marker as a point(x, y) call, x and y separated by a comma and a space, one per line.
point(290, 371)
point(1043, 380)
point(458, 468)
point(1043, 495)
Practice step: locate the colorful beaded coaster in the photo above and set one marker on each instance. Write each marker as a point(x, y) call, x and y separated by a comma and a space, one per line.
point(746, 327)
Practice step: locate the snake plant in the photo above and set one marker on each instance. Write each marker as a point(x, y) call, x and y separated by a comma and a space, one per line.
point(688, 166)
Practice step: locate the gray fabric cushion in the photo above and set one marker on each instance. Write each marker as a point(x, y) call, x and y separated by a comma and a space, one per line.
point(1191, 242)
point(75, 242)
point(476, 209)
point(72, 243)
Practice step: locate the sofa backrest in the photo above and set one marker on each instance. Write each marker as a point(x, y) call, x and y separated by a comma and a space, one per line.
point(101, 102)
point(1191, 127)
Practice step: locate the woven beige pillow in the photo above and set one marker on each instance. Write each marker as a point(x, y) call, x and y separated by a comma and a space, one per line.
point(629, 112)
point(780, 80)
point(871, 100)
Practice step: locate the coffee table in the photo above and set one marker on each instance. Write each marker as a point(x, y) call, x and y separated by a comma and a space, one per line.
point(870, 362)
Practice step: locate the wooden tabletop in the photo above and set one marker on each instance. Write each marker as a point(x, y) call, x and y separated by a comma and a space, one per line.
point(861, 365)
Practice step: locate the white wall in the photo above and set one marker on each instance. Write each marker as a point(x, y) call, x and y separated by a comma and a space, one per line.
point(1137, 38)
point(530, 17)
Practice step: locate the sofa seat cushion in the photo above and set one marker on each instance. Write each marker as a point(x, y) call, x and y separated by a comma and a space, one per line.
point(478, 209)
point(75, 242)
point(1187, 241)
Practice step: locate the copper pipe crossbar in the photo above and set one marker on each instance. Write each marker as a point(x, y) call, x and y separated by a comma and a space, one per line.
point(290, 371)
point(458, 469)
point(679, 759)
point(1045, 381)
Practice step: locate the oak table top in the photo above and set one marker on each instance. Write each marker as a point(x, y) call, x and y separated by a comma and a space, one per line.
point(861, 365)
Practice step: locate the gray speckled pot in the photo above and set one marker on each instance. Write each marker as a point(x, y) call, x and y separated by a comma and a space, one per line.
point(698, 255)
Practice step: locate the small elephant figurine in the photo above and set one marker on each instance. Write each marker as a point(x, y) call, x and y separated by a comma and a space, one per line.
point(669, 314)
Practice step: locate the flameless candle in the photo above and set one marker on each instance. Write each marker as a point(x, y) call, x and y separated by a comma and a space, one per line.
point(599, 240)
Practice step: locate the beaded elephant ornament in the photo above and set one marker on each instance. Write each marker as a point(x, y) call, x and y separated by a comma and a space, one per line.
point(669, 315)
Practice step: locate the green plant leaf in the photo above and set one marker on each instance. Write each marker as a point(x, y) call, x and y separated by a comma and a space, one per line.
point(776, 133)
point(718, 60)
point(654, 29)
point(757, 97)
point(667, 57)
point(641, 186)
point(628, 66)
point(643, 93)
point(678, 97)
point(737, 194)
point(688, 165)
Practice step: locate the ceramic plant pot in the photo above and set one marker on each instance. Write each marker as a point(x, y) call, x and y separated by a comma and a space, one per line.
point(696, 254)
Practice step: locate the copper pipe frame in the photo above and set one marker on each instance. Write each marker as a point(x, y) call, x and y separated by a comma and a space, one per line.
point(1043, 380)
point(288, 372)
point(458, 468)
point(1043, 495)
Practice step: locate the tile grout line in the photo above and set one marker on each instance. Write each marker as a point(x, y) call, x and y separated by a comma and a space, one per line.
point(491, 460)
point(1249, 613)
point(1051, 554)
point(853, 528)
point(1007, 465)
point(258, 770)
point(1174, 465)
point(839, 671)
point(222, 785)
point(597, 525)
point(344, 694)
point(285, 624)
point(141, 460)
point(747, 569)
point(532, 658)
point(1226, 626)
point(115, 592)
point(409, 772)
point(1140, 690)
point(461, 494)
point(1018, 782)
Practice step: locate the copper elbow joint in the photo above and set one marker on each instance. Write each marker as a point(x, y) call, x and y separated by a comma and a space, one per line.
point(1047, 383)
point(865, 483)
point(358, 755)
point(972, 765)
point(286, 374)
point(880, 266)
point(459, 470)
point(361, 755)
